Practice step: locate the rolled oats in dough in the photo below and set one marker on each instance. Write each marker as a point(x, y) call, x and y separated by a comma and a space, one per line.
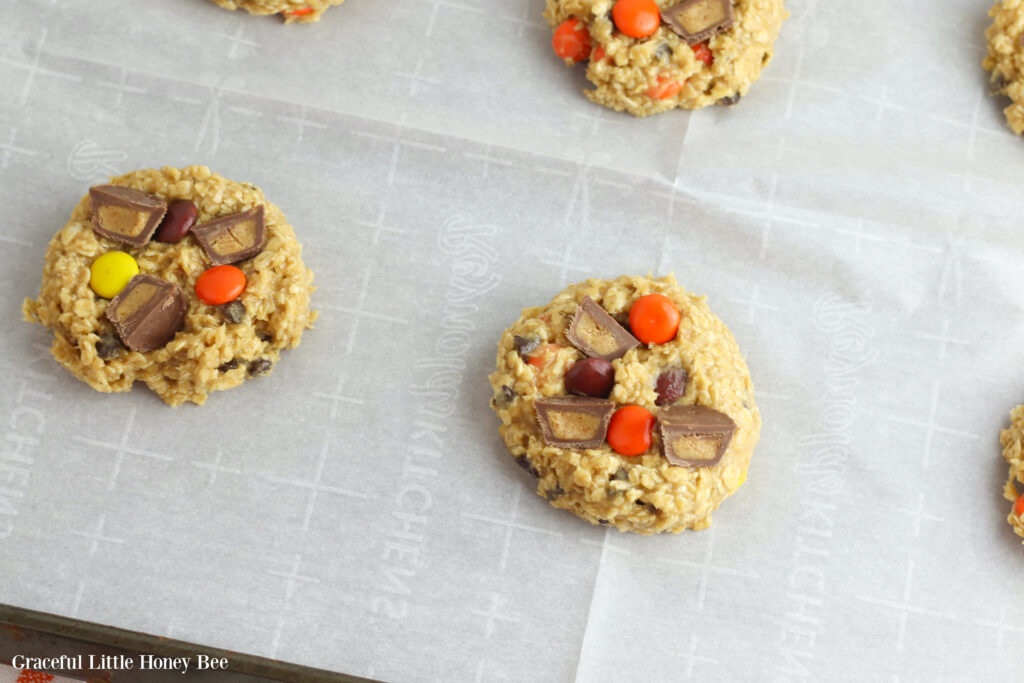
point(1012, 440)
point(209, 352)
point(291, 10)
point(1005, 59)
point(629, 68)
point(641, 493)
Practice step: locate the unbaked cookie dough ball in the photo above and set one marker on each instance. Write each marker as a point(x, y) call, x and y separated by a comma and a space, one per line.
point(291, 10)
point(629, 402)
point(649, 56)
point(1012, 440)
point(1005, 59)
point(178, 278)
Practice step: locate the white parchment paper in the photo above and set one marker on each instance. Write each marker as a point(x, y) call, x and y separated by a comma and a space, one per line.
point(854, 221)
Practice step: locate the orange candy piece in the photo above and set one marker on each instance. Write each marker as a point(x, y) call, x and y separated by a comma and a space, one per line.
point(654, 319)
point(702, 52)
point(629, 432)
point(664, 88)
point(1018, 507)
point(541, 356)
point(636, 18)
point(302, 11)
point(572, 40)
point(220, 285)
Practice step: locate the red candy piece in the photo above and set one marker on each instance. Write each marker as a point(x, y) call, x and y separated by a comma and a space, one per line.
point(220, 285)
point(179, 219)
point(654, 319)
point(629, 432)
point(302, 11)
point(572, 40)
point(702, 52)
point(1018, 507)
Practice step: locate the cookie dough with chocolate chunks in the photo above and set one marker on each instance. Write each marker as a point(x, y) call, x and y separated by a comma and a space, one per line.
point(1005, 59)
point(206, 350)
point(303, 11)
point(698, 378)
point(668, 54)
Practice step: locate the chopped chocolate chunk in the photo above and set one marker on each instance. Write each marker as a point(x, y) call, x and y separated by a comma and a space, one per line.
point(260, 366)
point(697, 20)
point(671, 384)
point(694, 436)
point(621, 474)
point(523, 462)
point(729, 100)
point(230, 365)
point(108, 346)
point(508, 393)
point(602, 521)
point(233, 312)
point(574, 422)
point(555, 493)
point(147, 313)
point(525, 344)
point(233, 238)
point(125, 214)
point(596, 333)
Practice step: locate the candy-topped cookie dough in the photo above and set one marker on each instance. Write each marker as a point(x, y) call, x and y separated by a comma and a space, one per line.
point(1005, 58)
point(649, 56)
point(1012, 440)
point(178, 278)
point(630, 403)
point(303, 11)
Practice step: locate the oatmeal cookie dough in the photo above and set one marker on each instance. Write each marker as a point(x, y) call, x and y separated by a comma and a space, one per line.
point(291, 10)
point(1012, 440)
point(665, 68)
point(215, 346)
point(1005, 59)
point(700, 365)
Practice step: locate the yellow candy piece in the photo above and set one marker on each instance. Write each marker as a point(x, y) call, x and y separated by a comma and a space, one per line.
point(111, 272)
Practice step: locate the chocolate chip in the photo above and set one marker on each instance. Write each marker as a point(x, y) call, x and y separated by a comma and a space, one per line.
point(649, 506)
point(108, 346)
point(507, 392)
point(230, 365)
point(265, 336)
point(525, 344)
point(555, 493)
point(663, 51)
point(996, 83)
point(621, 474)
point(260, 366)
point(233, 312)
point(730, 100)
point(602, 521)
point(523, 462)
point(670, 386)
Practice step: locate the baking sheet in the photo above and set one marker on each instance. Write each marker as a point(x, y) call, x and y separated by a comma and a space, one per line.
point(853, 221)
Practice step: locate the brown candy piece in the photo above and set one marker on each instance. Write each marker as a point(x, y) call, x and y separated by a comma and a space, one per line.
point(574, 422)
point(694, 436)
point(125, 214)
point(597, 334)
point(233, 238)
point(697, 20)
point(147, 313)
